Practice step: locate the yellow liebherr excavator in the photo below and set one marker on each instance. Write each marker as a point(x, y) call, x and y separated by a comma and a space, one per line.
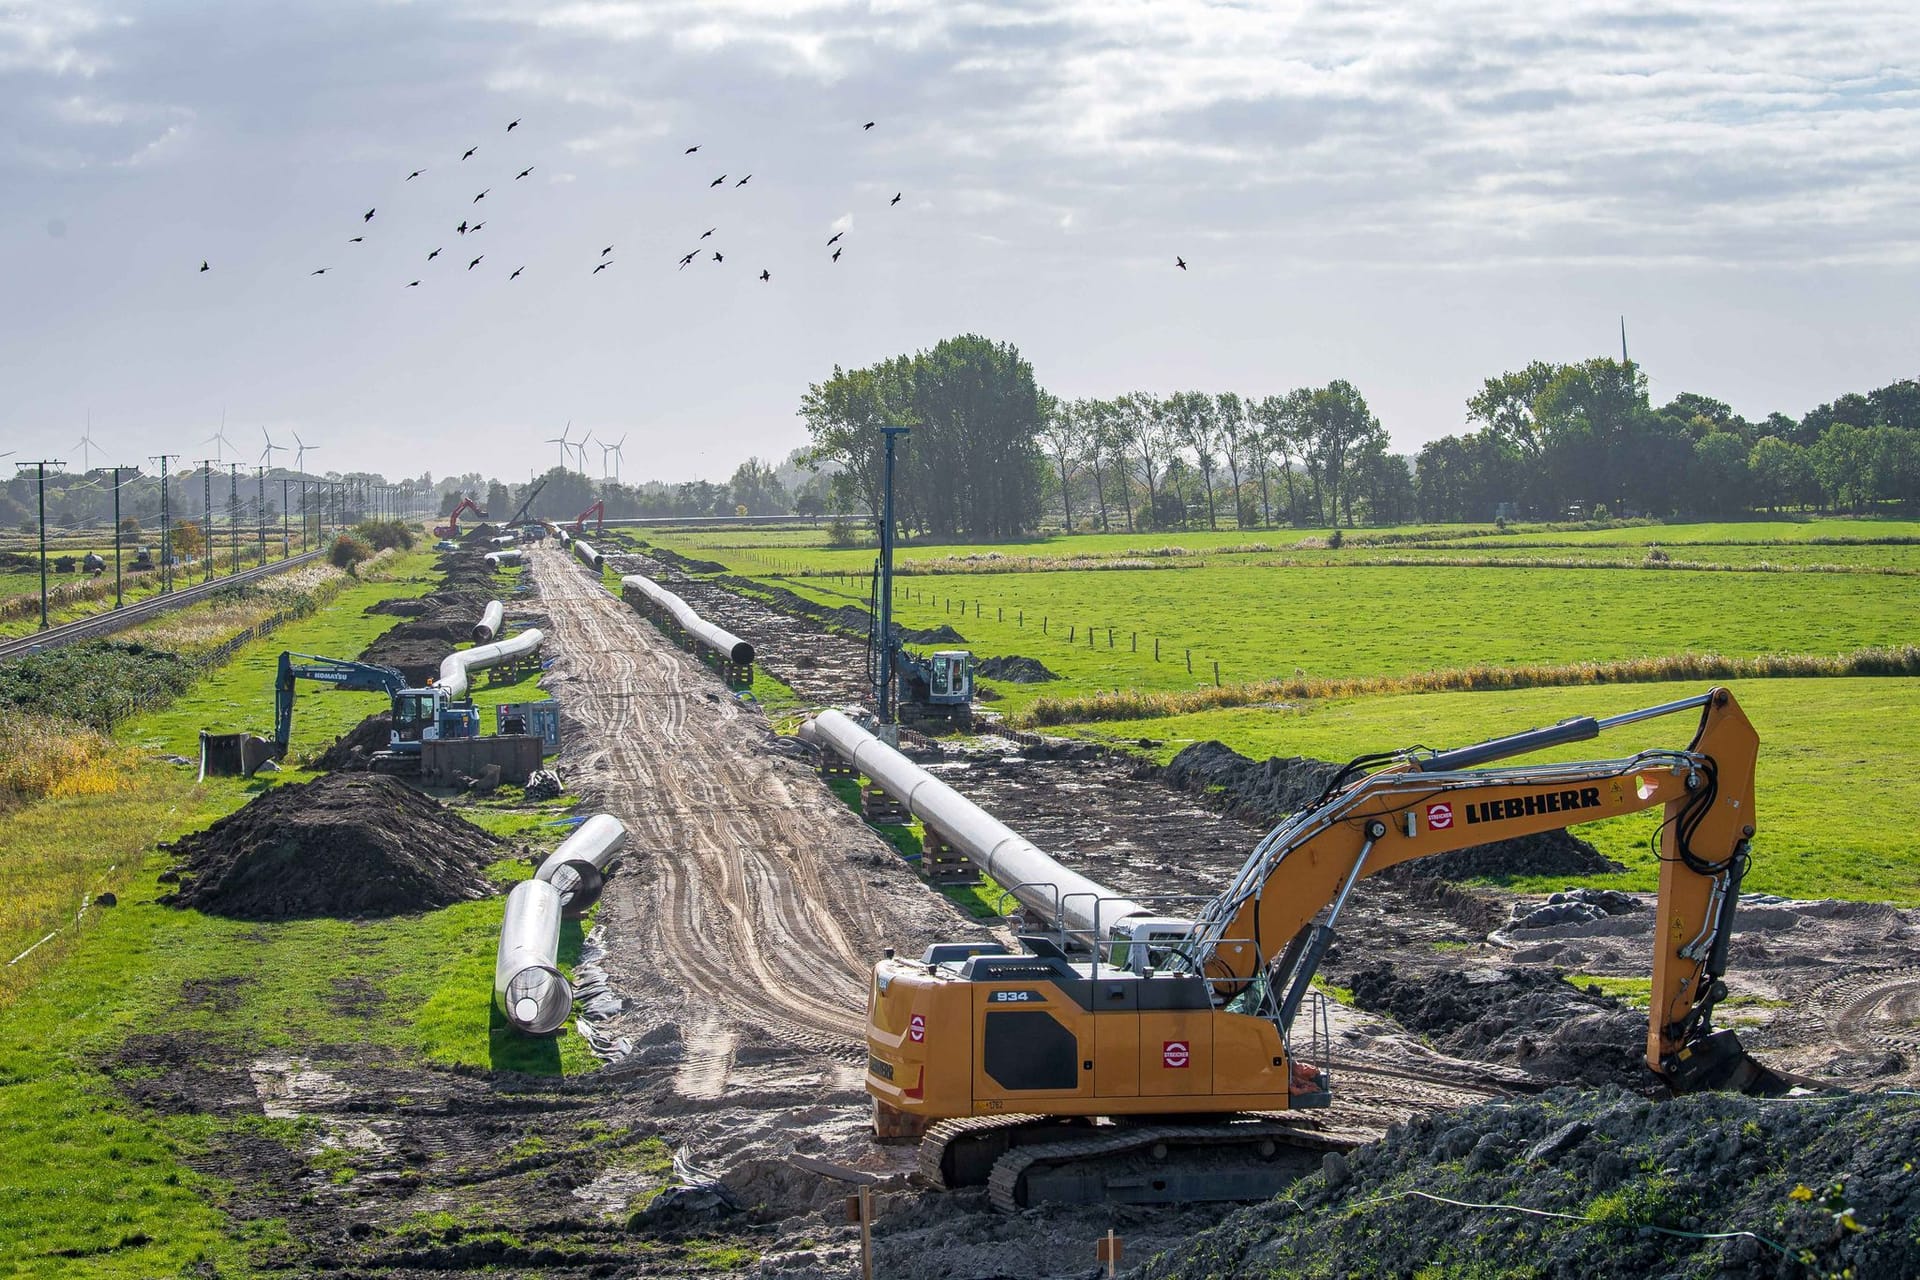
point(1181, 1034)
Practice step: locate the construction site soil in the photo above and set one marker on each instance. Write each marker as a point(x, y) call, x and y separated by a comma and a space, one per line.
point(347, 846)
point(356, 747)
point(735, 958)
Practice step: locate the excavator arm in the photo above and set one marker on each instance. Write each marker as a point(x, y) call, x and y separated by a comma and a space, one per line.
point(338, 672)
point(1287, 898)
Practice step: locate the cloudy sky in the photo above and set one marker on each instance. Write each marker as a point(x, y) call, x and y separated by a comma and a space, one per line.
point(1408, 196)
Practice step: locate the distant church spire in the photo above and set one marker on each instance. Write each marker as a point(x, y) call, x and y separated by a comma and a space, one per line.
point(1623, 341)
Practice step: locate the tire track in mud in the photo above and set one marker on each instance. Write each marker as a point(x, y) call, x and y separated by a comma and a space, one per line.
point(749, 909)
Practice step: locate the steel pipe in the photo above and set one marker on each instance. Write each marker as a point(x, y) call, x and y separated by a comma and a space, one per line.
point(457, 668)
point(718, 639)
point(578, 868)
point(1041, 884)
point(527, 986)
point(498, 558)
point(489, 625)
point(586, 554)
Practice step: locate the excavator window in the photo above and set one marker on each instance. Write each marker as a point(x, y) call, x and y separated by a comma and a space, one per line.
point(942, 677)
point(412, 713)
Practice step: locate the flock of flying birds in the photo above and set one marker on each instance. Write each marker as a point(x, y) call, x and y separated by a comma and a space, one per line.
point(467, 228)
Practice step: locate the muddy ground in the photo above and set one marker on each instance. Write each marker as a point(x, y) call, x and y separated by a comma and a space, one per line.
point(735, 945)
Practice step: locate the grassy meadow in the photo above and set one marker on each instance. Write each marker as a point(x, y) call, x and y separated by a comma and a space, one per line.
point(1394, 613)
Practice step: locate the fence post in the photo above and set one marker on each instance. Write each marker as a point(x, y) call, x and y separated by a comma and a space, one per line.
point(1070, 628)
point(1136, 642)
point(1216, 674)
point(1189, 662)
point(1156, 648)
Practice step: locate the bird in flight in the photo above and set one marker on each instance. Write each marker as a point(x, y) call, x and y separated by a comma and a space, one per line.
point(765, 275)
point(433, 255)
point(356, 240)
point(1180, 262)
point(689, 258)
point(836, 255)
point(597, 270)
point(709, 231)
point(523, 173)
point(743, 181)
point(204, 266)
point(717, 257)
point(690, 150)
point(322, 271)
point(462, 228)
point(413, 284)
point(604, 252)
point(482, 196)
point(512, 125)
point(835, 236)
point(470, 151)
point(868, 125)
point(476, 226)
point(516, 273)
point(367, 216)
point(416, 173)
point(717, 181)
point(895, 200)
point(475, 262)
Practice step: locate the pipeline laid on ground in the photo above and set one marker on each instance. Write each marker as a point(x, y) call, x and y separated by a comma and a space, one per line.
point(489, 625)
point(498, 558)
point(578, 868)
point(1063, 897)
point(457, 668)
point(587, 555)
point(527, 985)
point(723, 642)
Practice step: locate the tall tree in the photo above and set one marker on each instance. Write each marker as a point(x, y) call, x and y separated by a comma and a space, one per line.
point(1191, 419)
point(1064, 436)
point(1230, 422)
point(1340, 427)
point(1506, 405)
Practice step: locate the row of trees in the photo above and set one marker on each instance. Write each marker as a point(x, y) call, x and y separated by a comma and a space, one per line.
point(1554, 438)
point(1315, 454)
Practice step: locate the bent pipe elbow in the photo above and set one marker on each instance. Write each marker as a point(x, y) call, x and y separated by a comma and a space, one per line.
point(490, 619)
point(457, 668)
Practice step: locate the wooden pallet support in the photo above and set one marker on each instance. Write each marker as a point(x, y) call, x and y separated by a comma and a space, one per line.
point(881, 809)
point(942, 863)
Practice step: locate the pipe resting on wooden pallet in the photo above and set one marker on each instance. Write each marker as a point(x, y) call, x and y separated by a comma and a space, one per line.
point(1063, 897)
point(457, 668)
point(578, 868)
point(527, 986)
point(719, 639)
point(489, 625)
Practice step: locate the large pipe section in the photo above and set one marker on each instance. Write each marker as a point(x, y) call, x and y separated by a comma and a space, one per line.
point(497, 558)
point(1049, 890)
point(527, 986)
point(578, 868)
point(587, 555)
point(489, 625)
point(457, 668)
point(718, 639)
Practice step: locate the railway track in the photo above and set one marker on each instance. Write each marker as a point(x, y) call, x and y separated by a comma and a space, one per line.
point(112, 620)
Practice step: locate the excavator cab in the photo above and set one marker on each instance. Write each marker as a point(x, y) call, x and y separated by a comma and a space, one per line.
point(414, 713)
point(950, 677)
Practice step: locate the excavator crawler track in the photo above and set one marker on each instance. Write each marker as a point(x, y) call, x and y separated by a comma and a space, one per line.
point(960, 1153)
point(1161, 1164)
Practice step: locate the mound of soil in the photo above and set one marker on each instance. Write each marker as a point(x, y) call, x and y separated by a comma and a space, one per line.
point(1266, 792)
point(351, 749)
point(348, 845)
point(1014, 669)
point(685, 564)
point(942, 634)
point(404, 607)
point(1646, 1173)
point(1529, 1018)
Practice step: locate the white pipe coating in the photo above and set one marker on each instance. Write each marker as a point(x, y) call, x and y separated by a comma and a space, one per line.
point(587, 555)
point(578, 868)
point(527, 985)
point(498, 558)
point(489, 625)
point(719, 639)
point(1050, 890)
point(457, 667)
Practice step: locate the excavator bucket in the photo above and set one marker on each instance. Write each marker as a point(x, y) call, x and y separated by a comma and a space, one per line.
point(1719, 1062)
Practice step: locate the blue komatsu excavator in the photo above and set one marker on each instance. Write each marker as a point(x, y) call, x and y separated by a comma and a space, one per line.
point(418, 714)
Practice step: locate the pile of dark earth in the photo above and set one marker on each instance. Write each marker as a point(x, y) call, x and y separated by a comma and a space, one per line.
point(1014, 669)
point(439, 622)
point(852, 619)
point(1266, 791)
point(346, 845)
point(1713, 1184)
point(354, 748)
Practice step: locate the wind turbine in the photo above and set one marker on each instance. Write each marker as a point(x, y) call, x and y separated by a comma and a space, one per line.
point(561, 440)
point(581, 450)
point(219, 438)
point(86, 446)
point(612, 451)
point(300, 454)
point(266, 454)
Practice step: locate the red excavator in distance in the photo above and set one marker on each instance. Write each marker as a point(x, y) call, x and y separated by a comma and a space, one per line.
point(599, 513)
point(451, 529)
